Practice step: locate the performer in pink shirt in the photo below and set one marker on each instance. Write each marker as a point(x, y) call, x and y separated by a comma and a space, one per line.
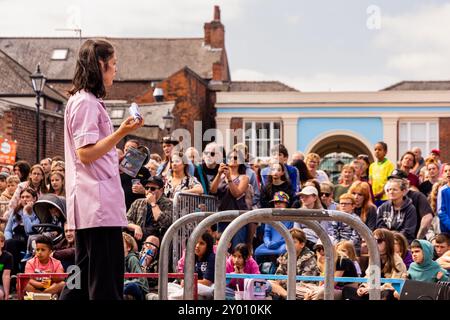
point(95, 199)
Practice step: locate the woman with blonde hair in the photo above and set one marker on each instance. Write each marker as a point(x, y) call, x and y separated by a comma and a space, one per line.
point(364, 207)
point(347, 248)
point(57, 184)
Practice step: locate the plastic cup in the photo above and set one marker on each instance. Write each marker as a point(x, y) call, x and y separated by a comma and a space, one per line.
point(46, 282)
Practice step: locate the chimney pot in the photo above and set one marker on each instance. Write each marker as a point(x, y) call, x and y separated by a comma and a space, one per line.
point(216, 13)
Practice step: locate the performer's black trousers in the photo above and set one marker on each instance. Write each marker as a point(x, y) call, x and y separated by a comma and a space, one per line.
point(100, 256)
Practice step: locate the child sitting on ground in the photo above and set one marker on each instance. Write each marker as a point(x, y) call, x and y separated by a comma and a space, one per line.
point(204, 267)
point(134, 289)
point(44, 263)
point(424, 268)
point(240, 261)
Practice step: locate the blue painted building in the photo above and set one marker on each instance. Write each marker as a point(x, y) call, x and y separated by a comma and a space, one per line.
point(327, 122)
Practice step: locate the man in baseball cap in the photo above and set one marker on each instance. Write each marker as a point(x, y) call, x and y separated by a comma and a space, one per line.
point(398, 174)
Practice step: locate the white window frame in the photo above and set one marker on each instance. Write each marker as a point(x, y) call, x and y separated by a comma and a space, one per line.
point(271, 139)
point(409, 143)
point(116, 116)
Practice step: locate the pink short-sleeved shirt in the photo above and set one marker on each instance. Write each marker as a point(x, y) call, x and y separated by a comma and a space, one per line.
point(35, 266)
point(94, 194)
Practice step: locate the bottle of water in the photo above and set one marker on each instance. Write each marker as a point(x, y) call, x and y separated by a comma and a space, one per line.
point(149, 252)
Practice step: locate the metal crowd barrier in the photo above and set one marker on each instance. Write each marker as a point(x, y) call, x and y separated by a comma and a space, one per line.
point(169, 236)
point(231, 216)
point(226, 216)
point(374, 275)
point(183, 204)
point(3, 207)
point(397, 284)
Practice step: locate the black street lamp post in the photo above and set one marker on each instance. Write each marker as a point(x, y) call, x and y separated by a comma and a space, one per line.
point(168, 121)
point(38, 82)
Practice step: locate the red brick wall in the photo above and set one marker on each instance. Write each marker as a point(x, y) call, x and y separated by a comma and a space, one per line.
point(6, 128)
point(444, 139)
point(236, 124)
point(193, 100)
point(24, 131)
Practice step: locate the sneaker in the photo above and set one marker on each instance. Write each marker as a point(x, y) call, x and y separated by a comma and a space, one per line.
point(27, 257)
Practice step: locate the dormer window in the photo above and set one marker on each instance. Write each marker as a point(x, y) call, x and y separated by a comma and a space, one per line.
point(60, 54)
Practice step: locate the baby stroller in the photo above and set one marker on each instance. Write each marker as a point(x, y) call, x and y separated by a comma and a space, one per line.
point(51, 211)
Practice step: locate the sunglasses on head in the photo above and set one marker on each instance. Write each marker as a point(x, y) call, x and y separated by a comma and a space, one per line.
point(363, 157)
point(151, 244)
point(152, 188)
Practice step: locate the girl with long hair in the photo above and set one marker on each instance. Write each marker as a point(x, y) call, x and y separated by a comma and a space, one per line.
point(276, 181)
point(35, 181)
point(364, 206)
point(20, 225)
point(392, 267)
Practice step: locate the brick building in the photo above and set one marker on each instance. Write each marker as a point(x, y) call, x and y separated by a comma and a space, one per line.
point(189, 70)
point(18, 113)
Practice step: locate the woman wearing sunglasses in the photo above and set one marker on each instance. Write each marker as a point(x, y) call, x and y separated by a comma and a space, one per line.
point(392, 267)
point(230, 185)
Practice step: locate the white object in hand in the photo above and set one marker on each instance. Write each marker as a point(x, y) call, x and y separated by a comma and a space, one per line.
point(134, 111)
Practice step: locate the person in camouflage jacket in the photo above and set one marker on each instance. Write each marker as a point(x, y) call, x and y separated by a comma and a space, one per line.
point(306, 263)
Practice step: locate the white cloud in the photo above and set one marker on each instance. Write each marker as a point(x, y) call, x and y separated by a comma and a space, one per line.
point(293, 19)
point(155, 18)
point(417, 42)
point(321, 81)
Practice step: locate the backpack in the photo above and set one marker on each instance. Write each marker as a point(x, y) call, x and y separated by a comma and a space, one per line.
point(255, 289)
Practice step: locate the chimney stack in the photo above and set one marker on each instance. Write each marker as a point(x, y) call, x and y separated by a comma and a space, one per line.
point(215, 31)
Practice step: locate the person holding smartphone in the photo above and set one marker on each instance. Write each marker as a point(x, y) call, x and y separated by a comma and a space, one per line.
point(95, 199)
point(230, 186)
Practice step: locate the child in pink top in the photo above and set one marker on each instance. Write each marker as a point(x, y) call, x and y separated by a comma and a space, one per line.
point(44, 263)
point(240, 261)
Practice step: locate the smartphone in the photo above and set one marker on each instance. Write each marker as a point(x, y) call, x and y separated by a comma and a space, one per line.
point(134, 111)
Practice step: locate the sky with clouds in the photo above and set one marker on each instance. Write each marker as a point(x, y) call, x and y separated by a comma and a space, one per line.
point(323, 45)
